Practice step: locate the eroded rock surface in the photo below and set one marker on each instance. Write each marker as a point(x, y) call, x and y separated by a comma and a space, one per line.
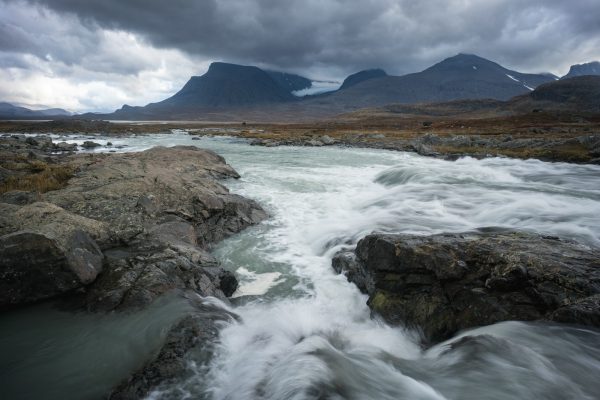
point(449, 282)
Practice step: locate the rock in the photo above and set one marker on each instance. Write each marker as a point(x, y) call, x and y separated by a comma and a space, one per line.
point(34, 266)
point(90, 145)
point(19, 197)
point(196, 331)
point(327, 140)
point(132, 192)
point(64, 146)
point(153, 214)
point(450, 282)
point(313, 142)
point(51, 220)
point(136, 277)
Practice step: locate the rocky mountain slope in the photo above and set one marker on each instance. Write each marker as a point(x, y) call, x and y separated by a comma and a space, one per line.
point(362, 76)
point(460, 77)
point(578, 94)
point(591, 68)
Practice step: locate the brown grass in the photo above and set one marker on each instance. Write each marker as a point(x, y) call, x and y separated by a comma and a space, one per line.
point(568, 153)
point(41, 178)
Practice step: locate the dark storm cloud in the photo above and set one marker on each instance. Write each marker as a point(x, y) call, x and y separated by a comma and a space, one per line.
point(349, 35)
point(99, 54)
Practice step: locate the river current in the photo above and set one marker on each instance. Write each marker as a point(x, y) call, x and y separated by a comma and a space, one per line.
point(305, 332)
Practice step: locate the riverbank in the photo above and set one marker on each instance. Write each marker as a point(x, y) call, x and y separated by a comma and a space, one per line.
point(543, 136)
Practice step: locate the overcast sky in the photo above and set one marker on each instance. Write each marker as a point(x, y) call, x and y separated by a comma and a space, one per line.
point(86, 55)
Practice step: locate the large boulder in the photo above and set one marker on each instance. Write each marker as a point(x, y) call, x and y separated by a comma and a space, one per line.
point(34, 266)
point(449, 282)
point(133, 192)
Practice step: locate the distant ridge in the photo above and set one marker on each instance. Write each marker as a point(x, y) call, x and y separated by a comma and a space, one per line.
point(10, 111)
point(591, 68)
point(464, 76)
point(362, 76)
point(229, 92)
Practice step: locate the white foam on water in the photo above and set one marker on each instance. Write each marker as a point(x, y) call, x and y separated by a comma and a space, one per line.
point(255, 284)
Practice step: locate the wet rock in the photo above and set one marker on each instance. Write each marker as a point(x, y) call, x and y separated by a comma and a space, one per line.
point(90, 145)
point(64, 146)
point(136, 277)
point(34, 266)
point(133, 192)
point(327, 140)
point(314, 143)
point(446, 283)
point(195, 332)
point(153, 214)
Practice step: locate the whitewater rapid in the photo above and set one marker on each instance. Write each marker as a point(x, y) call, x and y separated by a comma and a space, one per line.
point(306, 333)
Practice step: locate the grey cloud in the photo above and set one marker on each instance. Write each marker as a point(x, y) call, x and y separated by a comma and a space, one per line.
point(122, 43)
point(401, 36)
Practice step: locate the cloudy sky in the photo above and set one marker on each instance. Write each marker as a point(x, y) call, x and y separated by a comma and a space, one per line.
point(96, 55)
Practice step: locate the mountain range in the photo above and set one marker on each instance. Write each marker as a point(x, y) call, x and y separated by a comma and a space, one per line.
point(10, 111)
point(232, 92)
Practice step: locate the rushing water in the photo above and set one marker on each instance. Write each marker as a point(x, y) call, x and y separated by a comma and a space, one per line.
point(306, 333)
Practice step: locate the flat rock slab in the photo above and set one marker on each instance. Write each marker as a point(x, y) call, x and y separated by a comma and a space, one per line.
point(449, 282)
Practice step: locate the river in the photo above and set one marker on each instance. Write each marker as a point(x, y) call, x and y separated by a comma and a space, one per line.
point(305, 332)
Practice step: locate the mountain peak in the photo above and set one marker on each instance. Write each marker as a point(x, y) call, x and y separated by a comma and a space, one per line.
point(229, 85)
point(467, 61)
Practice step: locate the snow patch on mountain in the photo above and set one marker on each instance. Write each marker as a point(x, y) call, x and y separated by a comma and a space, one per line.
point(317, 87)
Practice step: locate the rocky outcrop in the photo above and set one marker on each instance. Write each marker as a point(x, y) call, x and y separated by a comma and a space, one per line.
point(152, 213)
point(197, 331)
point(126, 230)
point(34, 266)
point(448, 282)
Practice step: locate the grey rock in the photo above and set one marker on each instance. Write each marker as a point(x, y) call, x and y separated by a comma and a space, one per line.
point(314, 143)
point(449, 282)
point(18, 197)
point(34, 266)
point(90, 145)
point(327, 140)
point(64, 146)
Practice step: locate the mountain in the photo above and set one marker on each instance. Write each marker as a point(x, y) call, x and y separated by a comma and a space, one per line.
point(463, 76)
point(233, 92)
point(362, 76)
point(577, 94)
point(223, 87)
point(229, 85)
point(591, 68)
point(10, 111)
point(290, 82)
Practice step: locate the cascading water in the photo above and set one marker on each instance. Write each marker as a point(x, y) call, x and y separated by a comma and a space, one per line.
point(306, 333)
